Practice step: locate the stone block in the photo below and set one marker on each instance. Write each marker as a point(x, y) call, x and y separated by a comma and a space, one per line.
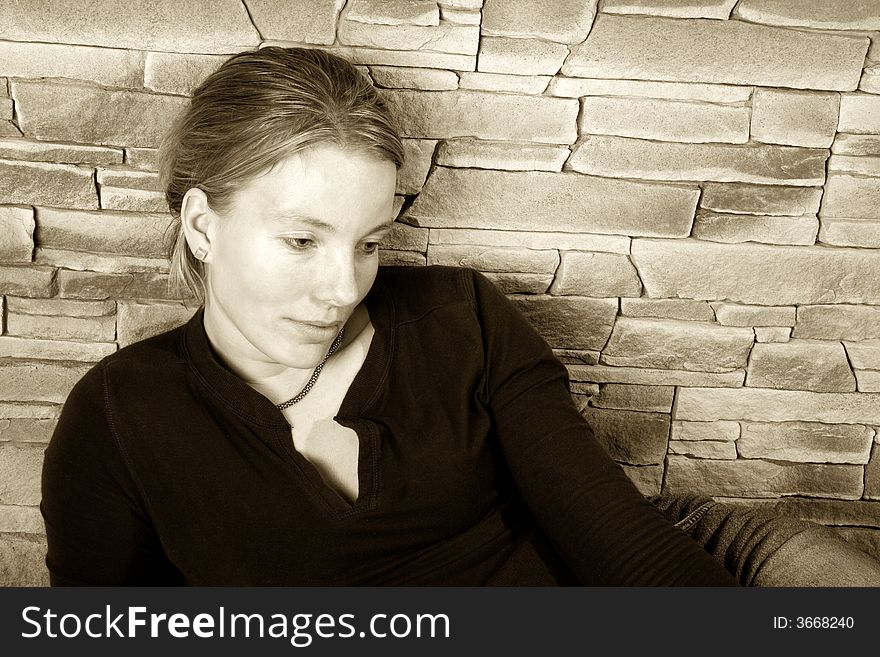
point(772, 333)
point(849, 144)
point(684, 309)
point(137, 321)
point(7, 109)
point(568, 22)
point(406, 238)
point(393, 12)
point(502, 82)
point(703, 449)
point(401, 77)
point(854, 197)
point(596, 275)
point(673, 8)
point(518, 283)
point(738, 198)
point(864, 355)
point(39, 381)
point(630, 436)
point(142, 158)
point(9, 129)
point(59, 307)
point(830, 512)
point(859, 233)
point(401, 258)
point(458, 198)
point(867, 380)
point(870, 82)
point(806, 442)
point(41, 151)
point(756, 273)
point(21, 464)
point(652, 377)
point(16, 234)
point(84, 352)
point(417, 161)
point(98, 262)
point(92, 285)
point(301, 21)
point(406, 58)
point(677, 345)
point(501, 155)
point(446, 37)
point(647, 478)
point(768, 229)
point(638, 158)
point(446, 114)
point(710, 93)
point(99, 329)
point(817, 14)
point(102, 232)
point(859, 113)
point(838, 322)
point(21, 519)
point(664, 120)
point(494, 259)
point(27, 430)
point(530, 239)
point(461, 16)
point(22, 560)
point(820, 366)
point(40, 183)
point(461, 4)
point(28, 281)
point(520, 56)
point(796, 118)
point(656, 399)
point(570, 322)
point(860, 165)
point(733, 52)
point(205, 26)
point(129, 179)
point(175, 73)
point(28, 410)
point(697, 431)
point(132, 200)
point(755, 478)
point(731, 314)
point(579, 357)
point(114, 68)
point(872, 476)
point(67, 112)
point(767, 405)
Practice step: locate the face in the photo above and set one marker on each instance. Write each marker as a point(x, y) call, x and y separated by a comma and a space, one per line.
point(294, 256)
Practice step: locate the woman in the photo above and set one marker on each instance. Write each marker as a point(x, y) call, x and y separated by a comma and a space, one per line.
point(321, 420)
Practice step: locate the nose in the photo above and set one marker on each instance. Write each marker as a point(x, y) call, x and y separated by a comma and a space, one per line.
point(338, 281)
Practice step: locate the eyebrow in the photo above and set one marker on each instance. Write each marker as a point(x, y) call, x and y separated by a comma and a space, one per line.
point(318, 223)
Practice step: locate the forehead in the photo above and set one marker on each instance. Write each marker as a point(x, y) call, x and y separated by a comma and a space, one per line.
point(321, 182)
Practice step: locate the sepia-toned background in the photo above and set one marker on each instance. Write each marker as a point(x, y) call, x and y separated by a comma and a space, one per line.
point(682, 195)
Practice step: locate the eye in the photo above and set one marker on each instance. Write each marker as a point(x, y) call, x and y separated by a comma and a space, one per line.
point(371, 247)
point(300, 243)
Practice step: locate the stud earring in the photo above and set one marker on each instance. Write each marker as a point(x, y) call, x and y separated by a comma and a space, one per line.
point(200, 253)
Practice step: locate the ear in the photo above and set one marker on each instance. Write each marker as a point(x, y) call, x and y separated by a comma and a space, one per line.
point(199, 222)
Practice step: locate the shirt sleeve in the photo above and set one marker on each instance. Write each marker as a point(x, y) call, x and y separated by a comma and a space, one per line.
point(97, 530)
point(606, 531)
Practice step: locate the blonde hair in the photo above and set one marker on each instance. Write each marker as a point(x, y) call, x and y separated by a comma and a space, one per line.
point(257, 109)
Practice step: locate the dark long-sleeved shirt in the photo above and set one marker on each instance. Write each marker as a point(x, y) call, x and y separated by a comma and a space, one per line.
point(474, 468)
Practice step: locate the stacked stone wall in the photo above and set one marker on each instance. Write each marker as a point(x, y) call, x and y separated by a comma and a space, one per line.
point(683, 196)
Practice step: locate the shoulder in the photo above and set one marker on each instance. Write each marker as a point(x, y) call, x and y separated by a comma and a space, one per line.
point(417, 290)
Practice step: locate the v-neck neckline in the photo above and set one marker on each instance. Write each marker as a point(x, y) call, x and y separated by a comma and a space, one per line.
point(365, 389)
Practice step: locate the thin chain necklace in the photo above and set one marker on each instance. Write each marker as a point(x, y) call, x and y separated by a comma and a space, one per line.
point(311, 382)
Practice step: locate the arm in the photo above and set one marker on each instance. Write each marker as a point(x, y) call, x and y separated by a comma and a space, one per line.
point(602, 526)
point(97, 530)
